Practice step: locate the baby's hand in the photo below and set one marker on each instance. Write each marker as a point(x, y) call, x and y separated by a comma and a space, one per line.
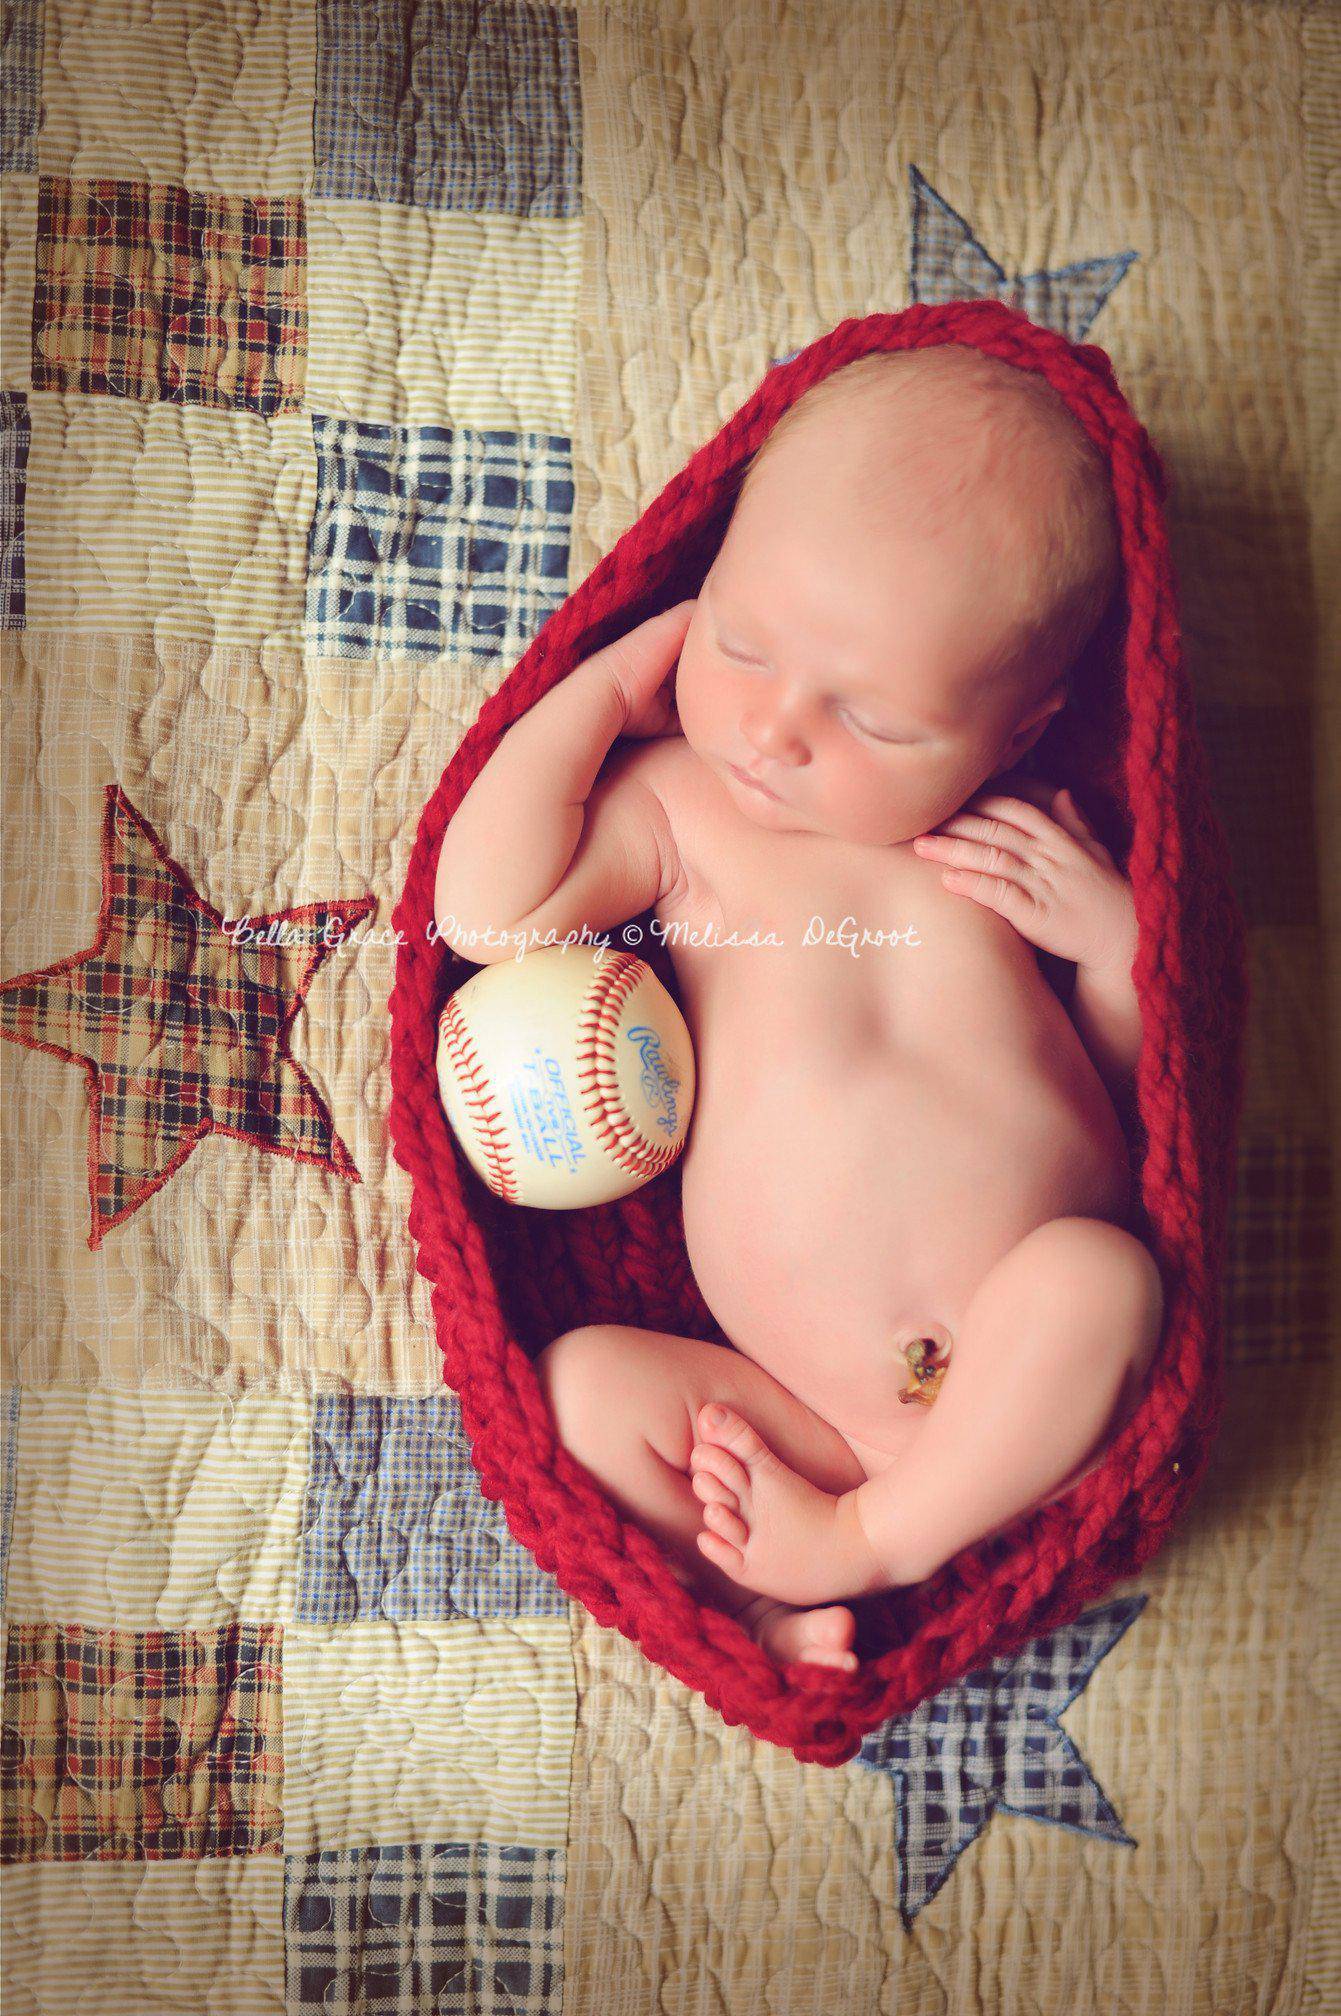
point(647, 678)
point(1044, 871)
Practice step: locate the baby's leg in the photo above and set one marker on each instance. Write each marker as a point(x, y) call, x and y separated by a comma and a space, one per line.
point(626, 1402)
point(1048, 1362)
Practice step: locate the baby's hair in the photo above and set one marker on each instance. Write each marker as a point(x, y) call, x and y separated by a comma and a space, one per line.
point(1071, 536)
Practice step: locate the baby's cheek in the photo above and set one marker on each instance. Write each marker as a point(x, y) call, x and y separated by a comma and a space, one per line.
point(879, 814)
point(692, 705)
point(897, 804)
point(891, 782)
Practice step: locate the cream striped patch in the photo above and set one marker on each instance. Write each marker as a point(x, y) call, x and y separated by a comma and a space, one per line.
point(104, 1938)
point(456, 1731)
point(18, 258)
point(168, 519)
point(218, 98)
point(432, 316)
point(156, 1511)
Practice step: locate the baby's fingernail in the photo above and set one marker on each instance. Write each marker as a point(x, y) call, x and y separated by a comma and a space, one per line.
point(714, 1416)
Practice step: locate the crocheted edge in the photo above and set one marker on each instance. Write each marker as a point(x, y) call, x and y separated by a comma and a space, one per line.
point(1061, 1556)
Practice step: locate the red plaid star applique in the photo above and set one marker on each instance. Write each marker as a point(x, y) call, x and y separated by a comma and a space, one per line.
point(181, 1026)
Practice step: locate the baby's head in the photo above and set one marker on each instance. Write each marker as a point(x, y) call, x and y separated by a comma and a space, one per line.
point(917, 555)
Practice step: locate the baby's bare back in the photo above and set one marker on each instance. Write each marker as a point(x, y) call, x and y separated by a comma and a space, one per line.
point(871, 1133)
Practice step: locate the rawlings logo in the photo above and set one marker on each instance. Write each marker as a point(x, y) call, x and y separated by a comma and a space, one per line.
point(658, 1086)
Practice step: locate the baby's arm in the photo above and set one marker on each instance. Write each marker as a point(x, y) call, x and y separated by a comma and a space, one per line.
point(1107, 1014)
point(538, 843)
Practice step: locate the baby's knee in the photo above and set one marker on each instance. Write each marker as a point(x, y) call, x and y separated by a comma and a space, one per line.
point(573, 1371)
point(1106, 1280)
point(604, 1386)
point(1113, 1268)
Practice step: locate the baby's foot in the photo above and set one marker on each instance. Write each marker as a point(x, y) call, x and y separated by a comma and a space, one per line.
point(765, 1526)
point(817, 1637)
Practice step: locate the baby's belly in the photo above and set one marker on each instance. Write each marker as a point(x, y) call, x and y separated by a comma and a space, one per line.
point(833, 1214)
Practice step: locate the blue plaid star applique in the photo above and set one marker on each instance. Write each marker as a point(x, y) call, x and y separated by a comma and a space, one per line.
point(993, 1742)
point(950, 264)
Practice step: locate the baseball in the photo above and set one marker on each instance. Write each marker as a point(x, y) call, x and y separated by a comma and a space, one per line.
point(567, 1075)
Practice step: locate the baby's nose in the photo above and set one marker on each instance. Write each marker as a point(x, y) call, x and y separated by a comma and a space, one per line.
point(776, 732)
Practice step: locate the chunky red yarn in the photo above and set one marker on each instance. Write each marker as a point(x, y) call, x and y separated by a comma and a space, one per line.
point(505, 1280)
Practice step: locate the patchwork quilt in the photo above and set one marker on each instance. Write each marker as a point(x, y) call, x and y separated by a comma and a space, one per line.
point(338, 339)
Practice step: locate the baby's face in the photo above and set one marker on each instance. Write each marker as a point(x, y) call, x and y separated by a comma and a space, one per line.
point(839, 658)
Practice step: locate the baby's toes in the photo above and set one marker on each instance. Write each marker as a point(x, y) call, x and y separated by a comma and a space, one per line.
point(831, 1629)
point(711, 1490)
point(708, 1458)
point(724, 1521)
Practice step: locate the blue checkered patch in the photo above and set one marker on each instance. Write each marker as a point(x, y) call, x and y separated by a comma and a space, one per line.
point(395, 1525)
point(449, 106)
point(463, 1929)
point(431, 539)
point(20, 86)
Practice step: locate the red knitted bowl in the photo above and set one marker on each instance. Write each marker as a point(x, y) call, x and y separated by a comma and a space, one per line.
point(505, 1281)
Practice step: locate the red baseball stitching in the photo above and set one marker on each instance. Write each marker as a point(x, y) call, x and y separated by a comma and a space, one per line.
point(485, 1117)
point(598, 1027)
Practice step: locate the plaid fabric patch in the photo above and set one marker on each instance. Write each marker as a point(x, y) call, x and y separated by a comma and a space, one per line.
point(20, 85)
point(146, 290)
point(993, 1742)
point(949, 264)
point(181, 1026)
point(153, 1746)
point(395, 1524)
point(1278, 1251)
point(465, 1929)
point(9, 1449)
point(449, 106)
point(428, 539)
point(15, 434)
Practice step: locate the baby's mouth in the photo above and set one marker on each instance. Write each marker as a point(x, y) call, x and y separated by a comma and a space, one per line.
point(752, 782)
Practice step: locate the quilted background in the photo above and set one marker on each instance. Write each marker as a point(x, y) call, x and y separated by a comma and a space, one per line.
point(338, 339)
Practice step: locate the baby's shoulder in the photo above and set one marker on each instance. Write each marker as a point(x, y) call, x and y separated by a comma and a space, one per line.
point(698, 813)
point(677, 777)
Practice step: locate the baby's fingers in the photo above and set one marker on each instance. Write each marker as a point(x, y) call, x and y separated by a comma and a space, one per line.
point(1050, 798)
point(1041, 824)
point(1013, 823)
point(638, 664)
point(1002, 893)
point(1069, 815)
point(959, 849)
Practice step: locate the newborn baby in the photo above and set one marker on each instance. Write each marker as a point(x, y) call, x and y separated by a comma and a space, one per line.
point(900, 1133)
